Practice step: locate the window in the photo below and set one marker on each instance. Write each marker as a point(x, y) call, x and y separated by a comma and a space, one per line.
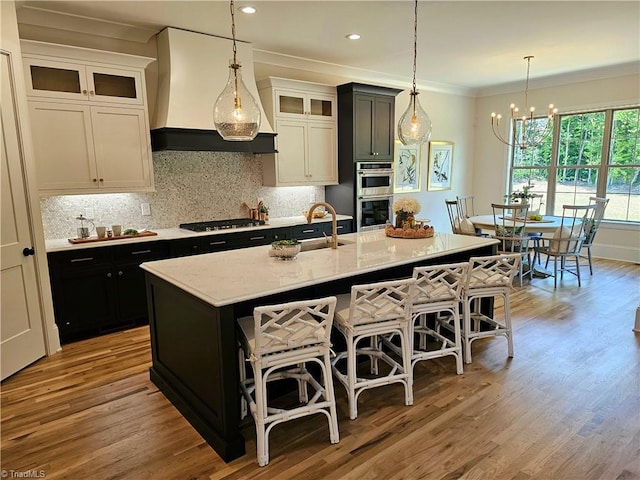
point(589, 154)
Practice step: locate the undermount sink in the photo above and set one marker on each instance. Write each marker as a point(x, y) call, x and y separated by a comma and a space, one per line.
point(309, 245)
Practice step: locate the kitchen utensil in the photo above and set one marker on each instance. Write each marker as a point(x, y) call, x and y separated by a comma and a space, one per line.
point(84, 230)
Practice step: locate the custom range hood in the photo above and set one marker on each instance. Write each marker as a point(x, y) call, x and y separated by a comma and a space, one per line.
point(193, 69)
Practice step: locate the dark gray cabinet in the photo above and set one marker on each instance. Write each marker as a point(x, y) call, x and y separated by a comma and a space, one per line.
point(102, 289)
point(366, 123)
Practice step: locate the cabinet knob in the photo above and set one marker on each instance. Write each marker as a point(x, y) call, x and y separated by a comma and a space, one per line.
point(84, 92)
point(91, 92)
point(102, 179)
point(120, 273)
point(95, 179)
point(27, 251)
point(109, 275)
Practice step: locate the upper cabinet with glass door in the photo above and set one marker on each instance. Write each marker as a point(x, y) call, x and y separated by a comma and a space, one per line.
point(316, 106)
point(71, 81)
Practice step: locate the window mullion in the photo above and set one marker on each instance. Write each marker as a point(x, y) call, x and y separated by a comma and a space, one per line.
point(553, 167)
point(603, 171)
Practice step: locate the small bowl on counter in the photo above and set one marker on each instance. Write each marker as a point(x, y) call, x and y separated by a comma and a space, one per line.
point(316, 213)
point(285, 249)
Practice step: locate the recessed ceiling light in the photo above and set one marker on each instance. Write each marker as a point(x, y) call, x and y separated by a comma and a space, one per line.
point(353, 36)
point(248, 10)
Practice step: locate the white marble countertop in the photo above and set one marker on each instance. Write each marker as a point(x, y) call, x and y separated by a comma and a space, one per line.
point(62, 244)
point(232, 276)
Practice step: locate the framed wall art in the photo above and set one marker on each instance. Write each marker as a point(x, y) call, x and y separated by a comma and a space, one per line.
point(406, 168)
point(440, 165)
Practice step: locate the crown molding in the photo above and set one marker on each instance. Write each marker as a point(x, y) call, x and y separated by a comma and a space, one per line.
point(41, 17)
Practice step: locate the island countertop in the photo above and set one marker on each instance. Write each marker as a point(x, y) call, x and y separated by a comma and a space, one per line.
point(229, 277)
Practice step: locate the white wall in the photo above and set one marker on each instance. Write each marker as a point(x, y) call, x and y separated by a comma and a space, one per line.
point(618, 241)
point(452, 117)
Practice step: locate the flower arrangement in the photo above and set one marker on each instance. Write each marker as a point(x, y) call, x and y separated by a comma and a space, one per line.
point(406, 205)
point(405, 210)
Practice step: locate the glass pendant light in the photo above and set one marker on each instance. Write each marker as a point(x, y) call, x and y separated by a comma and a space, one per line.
point(236, 113)
point(414, 126)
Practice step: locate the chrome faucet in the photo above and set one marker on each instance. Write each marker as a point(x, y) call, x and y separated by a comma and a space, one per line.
point(334, 223)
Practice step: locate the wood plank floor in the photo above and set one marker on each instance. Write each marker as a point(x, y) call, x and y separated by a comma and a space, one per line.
point(566, 407)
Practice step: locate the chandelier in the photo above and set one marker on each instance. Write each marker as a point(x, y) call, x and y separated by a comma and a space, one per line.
point(236, 113)
point(531, 132)
point(414, 126)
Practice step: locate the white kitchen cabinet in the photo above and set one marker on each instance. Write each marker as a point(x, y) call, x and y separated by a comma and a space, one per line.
point(304, 117)
point(89, 118)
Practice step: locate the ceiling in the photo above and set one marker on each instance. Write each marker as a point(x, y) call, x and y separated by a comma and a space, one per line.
point(474, 46)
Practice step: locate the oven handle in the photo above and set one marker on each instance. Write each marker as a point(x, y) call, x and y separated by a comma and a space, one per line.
point(374, 173)
point(375, 197)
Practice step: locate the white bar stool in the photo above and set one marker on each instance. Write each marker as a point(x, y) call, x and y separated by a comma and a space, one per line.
point(369, 312)
point(278, 341)
point(488, 277)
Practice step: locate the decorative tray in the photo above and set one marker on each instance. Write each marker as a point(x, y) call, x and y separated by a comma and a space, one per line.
point(146, 233)
point(422, 232)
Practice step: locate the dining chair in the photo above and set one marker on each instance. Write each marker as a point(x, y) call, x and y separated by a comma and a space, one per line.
point(436, 302)
point(369, 312)
point(279, 341)
point(510, 228)
point(592, 229)
point(567, 240)
point(460, 224)
point(465, 205)
point(488, 277)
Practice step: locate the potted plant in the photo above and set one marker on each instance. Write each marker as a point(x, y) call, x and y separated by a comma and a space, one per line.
point(405, 209)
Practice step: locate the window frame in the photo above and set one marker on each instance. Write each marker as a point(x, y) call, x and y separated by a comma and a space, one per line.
point(602, 168)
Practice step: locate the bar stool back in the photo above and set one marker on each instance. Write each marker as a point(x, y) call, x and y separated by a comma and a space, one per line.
point(278, 341)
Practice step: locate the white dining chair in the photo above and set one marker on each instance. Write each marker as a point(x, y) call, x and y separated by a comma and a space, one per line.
point(567, 241)
point(510, 228)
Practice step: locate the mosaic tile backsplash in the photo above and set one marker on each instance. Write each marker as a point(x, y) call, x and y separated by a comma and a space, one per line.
point(190, 187)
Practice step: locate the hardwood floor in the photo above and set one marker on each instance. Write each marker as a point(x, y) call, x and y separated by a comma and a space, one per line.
point(566, 407)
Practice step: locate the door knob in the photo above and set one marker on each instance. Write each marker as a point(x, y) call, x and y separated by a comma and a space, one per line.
point(26, 251)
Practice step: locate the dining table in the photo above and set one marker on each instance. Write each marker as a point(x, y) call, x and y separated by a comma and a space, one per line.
point(548, 224)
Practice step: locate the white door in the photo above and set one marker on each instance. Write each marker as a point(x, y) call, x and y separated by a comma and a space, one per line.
point(21, 335)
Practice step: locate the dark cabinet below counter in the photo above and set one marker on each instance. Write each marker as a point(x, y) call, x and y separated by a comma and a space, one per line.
point(99, 290)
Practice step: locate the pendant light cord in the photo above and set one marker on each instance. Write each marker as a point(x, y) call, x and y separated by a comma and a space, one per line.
point(235, 65)
point(526, 88)
point(233, 31)
point(415, 43)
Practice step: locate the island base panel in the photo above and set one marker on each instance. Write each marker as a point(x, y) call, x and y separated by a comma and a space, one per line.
point(195, 363)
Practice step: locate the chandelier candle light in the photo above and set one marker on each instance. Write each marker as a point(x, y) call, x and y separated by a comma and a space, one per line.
point(414, 127)
point(530, 133)
point(236, 113)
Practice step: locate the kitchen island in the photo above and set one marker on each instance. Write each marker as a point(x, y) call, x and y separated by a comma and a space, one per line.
point(194, 301)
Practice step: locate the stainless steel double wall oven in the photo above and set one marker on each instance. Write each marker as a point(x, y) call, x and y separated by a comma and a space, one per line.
point(374, 194)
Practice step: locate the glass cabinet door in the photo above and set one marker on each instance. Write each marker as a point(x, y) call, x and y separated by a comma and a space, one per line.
point(290, 104)
point(321, 107)
point(114, 86)
point(55, 79)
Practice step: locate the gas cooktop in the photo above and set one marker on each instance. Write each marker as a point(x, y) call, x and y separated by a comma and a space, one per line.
point(221, 224)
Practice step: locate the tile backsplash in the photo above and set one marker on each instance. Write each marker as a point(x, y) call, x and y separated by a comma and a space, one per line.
point(190, 187)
